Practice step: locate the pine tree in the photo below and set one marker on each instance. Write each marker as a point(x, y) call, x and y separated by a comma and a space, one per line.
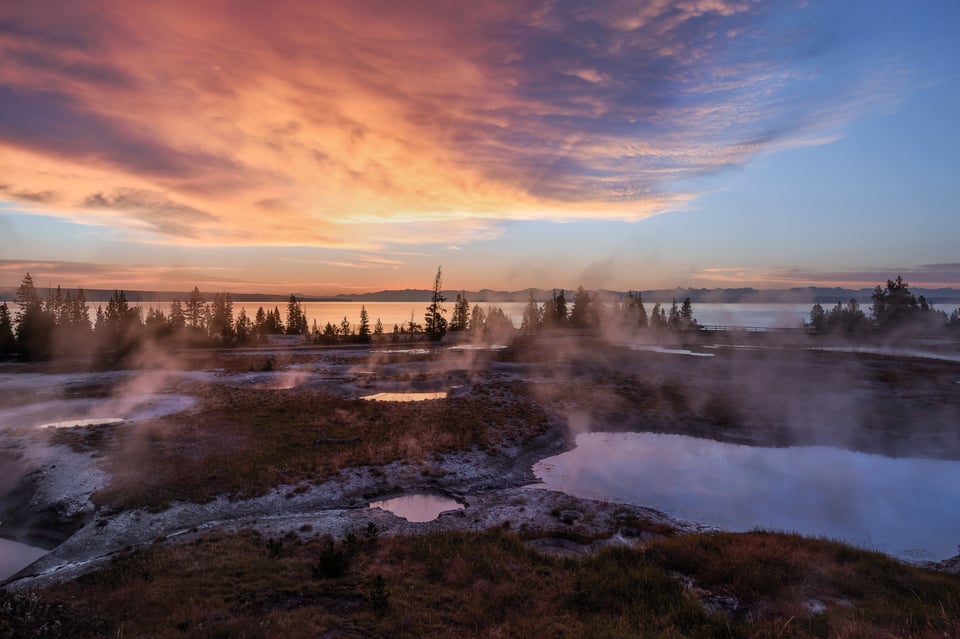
point(477, 319)
point(195, 309)
point(296, 320)
point(221, 326)
point(461, 313)
point(558, 309)
point(530, 322)
point(686, 315)
point(34, 328)
point(378, 327)
point(364, 331)
point(582, 314)
point(435, 323)
point(7, 340)
point(176, 320)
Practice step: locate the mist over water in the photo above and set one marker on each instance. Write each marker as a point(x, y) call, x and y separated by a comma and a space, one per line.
point(906, 507)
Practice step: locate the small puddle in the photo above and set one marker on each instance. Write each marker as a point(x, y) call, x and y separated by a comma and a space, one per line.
point(15, 556)
point(74, 423)
point(404, 397)
point(418, 508)
point(478, 347)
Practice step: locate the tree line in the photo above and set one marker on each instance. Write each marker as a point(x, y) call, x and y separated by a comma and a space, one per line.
point(64, 323)
point(894, 309)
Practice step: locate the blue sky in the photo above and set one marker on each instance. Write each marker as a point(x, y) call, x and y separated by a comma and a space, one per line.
point(343, 147)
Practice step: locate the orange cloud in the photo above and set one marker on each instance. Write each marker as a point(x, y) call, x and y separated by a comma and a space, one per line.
point(292, 123)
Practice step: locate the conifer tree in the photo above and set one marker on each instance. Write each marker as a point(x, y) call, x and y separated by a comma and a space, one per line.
point(7, 340)
point(435, 324)
point(195, 309)
point(461, 313)
point(364, 331)
point(530, 322)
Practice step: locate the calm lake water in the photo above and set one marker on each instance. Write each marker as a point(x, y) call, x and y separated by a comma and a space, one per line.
point(908, 508)
point(390, 313)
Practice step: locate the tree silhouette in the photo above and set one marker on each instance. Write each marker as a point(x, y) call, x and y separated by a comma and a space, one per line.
point(461, 313)
point(581, 316)
point(195, 309)
point(221, 326)
point(530, 322)
point(556, 314)
point(435, 324)
point(7, 340)
point(34, 325)
point(364, 331)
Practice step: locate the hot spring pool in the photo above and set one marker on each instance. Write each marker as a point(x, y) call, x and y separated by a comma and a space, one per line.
point(908, 508)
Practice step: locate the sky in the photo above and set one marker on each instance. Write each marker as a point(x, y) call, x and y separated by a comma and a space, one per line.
point(347, 146)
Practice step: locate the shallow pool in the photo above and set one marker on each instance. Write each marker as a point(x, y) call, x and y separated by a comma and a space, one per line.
point(15, 556)
point(418, 507)
point(905, 507)
point(404, 397)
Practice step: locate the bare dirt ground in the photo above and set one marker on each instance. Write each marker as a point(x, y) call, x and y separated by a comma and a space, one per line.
point(91, 491)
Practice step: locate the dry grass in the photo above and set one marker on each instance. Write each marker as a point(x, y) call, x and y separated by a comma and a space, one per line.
point(491, 584)
point(245, 442)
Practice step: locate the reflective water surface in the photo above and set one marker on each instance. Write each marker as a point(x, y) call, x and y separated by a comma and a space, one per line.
point(404, 397)
point(418, 508)
point(15, 556)
point(905, 507)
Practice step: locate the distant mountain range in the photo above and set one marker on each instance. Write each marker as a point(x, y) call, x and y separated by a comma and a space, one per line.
point(805, 295)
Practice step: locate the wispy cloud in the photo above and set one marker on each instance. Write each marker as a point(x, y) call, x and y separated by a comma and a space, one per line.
point(295, 123)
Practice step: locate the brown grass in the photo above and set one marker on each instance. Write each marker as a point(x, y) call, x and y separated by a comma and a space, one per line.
point(491, 584)
point(244, 441)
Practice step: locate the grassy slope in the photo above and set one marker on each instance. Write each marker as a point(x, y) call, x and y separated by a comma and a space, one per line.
point(490, 584)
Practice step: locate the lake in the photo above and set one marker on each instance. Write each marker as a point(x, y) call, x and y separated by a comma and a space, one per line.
point(390, 313)
point(908, 508)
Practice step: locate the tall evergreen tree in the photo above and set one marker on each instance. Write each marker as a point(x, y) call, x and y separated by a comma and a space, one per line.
point(221, 326)
point(637, 309)
point(686, 315)
point(7, 340)
point(461, 313)
point(296, 319)
point(363, 333)
point(581, 316)
point(176, 320)
point(558, 308)
point(195, 309)
point(435, 324)
point(478, 319)
point(530, 322)
point(34, 330)
point(243, 328)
